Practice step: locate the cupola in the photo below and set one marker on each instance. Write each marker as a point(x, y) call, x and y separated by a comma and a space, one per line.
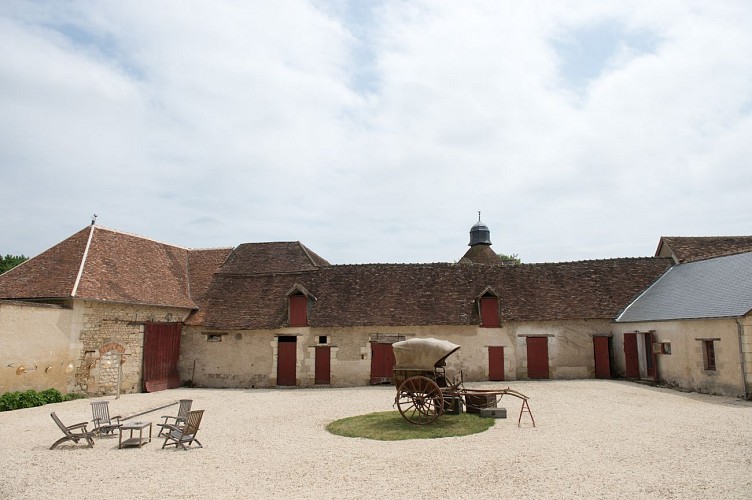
point(480, 234)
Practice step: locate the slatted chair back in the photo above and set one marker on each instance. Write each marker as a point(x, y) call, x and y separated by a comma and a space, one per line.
point(100, 415)
point(61, 425)
point(193, 422)
point(185, 407)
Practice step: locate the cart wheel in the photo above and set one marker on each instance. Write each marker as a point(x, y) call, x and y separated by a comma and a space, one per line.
point(420, 400)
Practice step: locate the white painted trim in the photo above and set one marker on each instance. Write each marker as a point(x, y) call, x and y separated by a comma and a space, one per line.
point(83, 262)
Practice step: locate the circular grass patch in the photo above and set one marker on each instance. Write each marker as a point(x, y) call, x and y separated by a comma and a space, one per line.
point(390, 426)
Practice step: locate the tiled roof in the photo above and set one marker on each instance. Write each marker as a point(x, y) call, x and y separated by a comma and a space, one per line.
point(202, 264)
point(432, 294)
point(688, 249)
point(113, 266)
point(480, 254)
point(279, 257)
point(51, 274)
point(711, 288)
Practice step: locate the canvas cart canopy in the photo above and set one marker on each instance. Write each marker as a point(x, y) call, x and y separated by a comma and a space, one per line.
point(422, 354)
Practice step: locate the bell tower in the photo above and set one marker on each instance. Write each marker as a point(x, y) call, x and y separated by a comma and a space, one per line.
point(480, 246)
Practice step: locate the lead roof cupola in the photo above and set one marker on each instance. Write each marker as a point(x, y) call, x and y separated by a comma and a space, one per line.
point(479, 234)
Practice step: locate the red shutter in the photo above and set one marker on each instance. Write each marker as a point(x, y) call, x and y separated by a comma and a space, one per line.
point(601, 353)
point(286, 357)
point(298, 310)
point(537, 357)
point(495, 363)
point(631, 360)
point(323, 356)
point(382, 363)
point(489, 312)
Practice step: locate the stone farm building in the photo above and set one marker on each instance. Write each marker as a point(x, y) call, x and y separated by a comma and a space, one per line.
point(104, 309)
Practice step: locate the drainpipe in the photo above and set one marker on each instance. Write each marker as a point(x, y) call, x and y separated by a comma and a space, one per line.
point(740, 329)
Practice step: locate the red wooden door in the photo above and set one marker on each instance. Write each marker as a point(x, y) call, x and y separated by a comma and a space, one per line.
point(489, 312)
point(298, 310)
point(537, 357)
point(495, 363)
point(286, 357)
point(323, 364)
point(631, 359)
point(601, 351)
point(382, 363)
point(161, 353)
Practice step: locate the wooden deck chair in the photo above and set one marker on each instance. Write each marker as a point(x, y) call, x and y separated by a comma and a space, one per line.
point(182, 435)
point(72, 432)
point(179, 419)
point(103, 423)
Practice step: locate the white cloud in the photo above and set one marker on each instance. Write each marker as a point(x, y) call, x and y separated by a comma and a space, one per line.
point(374, 132)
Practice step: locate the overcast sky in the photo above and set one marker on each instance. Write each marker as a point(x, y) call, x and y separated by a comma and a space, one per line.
point(374, 131)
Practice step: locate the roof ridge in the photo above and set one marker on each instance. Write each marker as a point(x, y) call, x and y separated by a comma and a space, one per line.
point(83, 261)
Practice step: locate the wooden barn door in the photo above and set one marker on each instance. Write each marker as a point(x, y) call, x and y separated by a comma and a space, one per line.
point(382, 363)
point(602, 353)
point(495, 363)
point(161, 352)
point(537, 357)
point(286, 358)
point(323, 365)
point(631, 358)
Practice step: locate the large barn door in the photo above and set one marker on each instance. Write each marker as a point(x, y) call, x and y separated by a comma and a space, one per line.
point(382, 363)
point(286, 358)
point(602, 354)
point(161, 351)
point(495, 363)
point(537, 357)
point(323, 365)
point(631, 359)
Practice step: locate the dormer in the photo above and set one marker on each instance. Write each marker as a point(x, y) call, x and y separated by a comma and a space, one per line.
point(298, 300)
point(488, 308)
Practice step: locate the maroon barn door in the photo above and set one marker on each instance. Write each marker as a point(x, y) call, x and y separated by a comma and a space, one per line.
point(631, 359)
point(382, 363)
point(495, 363)
point(537, 357)
point(602, 351)
point(323, 364)
point(286, 357)
point(161, 352)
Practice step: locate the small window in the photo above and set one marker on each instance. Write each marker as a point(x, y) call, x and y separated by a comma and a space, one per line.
point(708, 354)
point(214, 338)
point(322, 339)
point(489, 311)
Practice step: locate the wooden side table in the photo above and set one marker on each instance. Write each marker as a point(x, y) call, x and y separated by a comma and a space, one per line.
point(134, 441)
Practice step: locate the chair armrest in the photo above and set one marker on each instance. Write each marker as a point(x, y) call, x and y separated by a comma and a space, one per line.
point(170, 427)
point(81, 425)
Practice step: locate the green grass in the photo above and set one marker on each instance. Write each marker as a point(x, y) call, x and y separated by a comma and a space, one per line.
point(390, 426)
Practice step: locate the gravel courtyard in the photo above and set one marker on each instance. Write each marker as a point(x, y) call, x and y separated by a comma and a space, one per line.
point(594, 439)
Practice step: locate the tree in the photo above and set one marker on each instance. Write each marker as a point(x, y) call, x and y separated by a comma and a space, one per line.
point(510, 260)
point(10, 261)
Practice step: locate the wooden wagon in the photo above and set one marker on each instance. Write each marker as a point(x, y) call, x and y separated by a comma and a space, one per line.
point(424, 392)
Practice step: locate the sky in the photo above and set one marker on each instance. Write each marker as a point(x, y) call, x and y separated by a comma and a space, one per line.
point(375, 131)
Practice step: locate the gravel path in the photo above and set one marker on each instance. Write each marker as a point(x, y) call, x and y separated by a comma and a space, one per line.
point(595, 439)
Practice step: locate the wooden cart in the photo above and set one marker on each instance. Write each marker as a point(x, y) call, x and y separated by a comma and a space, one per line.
point(423, 391)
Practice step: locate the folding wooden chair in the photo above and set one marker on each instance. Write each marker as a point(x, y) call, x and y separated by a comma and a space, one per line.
point(185, 434)
point(103, 423)
point(180, 418)
point(72, 432)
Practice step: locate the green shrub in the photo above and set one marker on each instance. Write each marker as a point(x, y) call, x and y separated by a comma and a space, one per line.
point(51, 396)
point(29, 399)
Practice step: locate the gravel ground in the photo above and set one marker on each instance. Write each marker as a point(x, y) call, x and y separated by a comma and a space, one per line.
point(594, 439)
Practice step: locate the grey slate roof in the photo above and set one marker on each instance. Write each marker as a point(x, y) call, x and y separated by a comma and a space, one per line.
point(712, 288)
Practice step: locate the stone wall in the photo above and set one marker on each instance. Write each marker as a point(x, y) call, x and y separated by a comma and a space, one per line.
point(111, 344)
